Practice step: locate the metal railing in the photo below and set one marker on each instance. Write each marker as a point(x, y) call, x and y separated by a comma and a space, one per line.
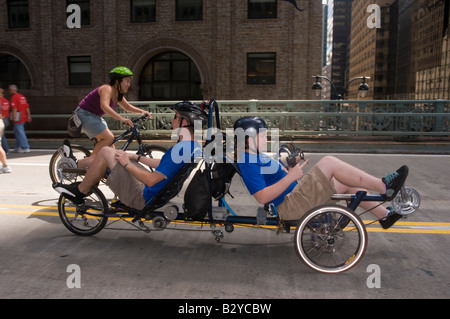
point(299, 118)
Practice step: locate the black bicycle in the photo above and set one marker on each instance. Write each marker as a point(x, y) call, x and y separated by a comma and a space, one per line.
point(62, 172)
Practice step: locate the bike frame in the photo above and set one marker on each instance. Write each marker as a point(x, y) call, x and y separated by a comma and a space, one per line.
point(135, 133)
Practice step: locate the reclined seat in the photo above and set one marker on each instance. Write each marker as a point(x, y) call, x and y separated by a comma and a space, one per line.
point(172, 188)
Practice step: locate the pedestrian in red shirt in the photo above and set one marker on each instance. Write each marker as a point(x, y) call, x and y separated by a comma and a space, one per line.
point(20, 115)
point(4, 105)
point(4, 168)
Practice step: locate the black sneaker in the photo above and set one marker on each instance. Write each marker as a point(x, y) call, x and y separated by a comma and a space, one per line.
point(390, 219)
point(71, 192)
point(394, 182)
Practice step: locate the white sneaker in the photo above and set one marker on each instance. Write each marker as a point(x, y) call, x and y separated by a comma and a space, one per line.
point(5, 170)
point(23, 150)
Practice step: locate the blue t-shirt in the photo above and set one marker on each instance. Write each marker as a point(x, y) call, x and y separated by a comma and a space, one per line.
point(261, 171)
point(171, 163)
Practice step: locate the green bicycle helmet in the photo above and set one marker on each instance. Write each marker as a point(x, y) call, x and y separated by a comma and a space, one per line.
point(120, 72)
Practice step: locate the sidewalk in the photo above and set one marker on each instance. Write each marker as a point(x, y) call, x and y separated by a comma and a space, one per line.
point(320, 144)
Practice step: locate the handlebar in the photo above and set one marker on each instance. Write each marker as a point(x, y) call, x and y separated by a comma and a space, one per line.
point(137, 119)
point(292, 154)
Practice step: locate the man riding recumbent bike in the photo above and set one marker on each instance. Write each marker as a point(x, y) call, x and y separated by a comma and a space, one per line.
point(328, 238)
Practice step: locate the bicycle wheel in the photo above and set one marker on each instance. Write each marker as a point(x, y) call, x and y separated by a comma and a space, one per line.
point(330, 239)
point(79, 152)
point(88, 219)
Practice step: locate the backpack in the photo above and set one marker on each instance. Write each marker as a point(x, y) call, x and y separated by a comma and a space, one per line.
point(197, 195)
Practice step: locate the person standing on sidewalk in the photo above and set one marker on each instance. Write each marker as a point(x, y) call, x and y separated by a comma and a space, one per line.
point(4, 105)
point(5, 168)
point(20, 115)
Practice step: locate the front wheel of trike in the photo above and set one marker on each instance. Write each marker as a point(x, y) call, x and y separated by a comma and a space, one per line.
point(87, 219)
point(330, 239)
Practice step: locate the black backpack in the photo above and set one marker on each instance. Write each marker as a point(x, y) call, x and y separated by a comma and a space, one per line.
point(197, 196)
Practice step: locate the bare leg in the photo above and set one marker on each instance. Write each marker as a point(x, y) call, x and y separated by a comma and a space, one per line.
point(379, 212)
point(104, 139)
point(349, 180)
point(103, 160)
point(349, 175)
point(3, 157)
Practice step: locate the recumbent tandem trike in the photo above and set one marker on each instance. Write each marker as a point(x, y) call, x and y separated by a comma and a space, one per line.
point(328, 238)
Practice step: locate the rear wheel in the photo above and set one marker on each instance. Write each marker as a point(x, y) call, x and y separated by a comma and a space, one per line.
point(57, 163)
point(330, 239)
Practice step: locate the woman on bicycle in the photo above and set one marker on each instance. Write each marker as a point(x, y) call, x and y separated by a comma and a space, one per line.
point(104, 100)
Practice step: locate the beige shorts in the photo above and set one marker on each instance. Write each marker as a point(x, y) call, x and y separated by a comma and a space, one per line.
point(314, 189)
point(127, 187)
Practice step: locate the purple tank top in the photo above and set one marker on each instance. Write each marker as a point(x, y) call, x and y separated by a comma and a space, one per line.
point(91, 103)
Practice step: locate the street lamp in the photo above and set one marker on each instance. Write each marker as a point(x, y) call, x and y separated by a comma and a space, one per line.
point(363, 88)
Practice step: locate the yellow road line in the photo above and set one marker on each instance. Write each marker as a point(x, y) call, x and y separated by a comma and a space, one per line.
point(406, 227)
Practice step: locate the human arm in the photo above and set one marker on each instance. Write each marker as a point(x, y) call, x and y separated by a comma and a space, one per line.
point(148, 178)
point(269, 193)
point(150, 162)
point(28, 115)
point(105, 93)
point(124, 104)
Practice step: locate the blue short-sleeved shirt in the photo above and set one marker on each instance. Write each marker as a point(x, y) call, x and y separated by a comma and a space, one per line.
point(261, 171)
point(171, 163)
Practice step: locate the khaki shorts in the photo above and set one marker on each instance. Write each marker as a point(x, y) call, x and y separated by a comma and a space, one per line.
point(127, 187)
point(314, 189)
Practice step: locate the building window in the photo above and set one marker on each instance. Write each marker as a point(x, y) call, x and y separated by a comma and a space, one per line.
point(85, 10)
point(262, 9)
point(261, 68)
point(12, 70)
point(79, 70)
point(143, 10)
point(189, 10)
point(18, 14)
point(170, 76)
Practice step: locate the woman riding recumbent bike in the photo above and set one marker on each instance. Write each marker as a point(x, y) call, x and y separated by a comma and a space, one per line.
point(328, 238)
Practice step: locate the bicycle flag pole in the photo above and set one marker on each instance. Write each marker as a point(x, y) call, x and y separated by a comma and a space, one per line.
point(294, 3)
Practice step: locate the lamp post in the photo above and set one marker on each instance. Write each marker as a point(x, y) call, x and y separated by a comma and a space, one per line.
point(363, 88)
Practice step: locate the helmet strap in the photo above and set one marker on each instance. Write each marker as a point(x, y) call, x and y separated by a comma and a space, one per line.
point(120, 96)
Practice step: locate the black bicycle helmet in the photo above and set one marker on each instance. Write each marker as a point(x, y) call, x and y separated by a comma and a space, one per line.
point(190, 111)
point(251, 125)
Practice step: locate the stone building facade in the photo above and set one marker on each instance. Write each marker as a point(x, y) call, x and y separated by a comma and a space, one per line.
point(220, 49)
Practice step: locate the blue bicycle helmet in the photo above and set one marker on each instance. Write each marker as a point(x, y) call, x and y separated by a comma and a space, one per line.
point(251, 125)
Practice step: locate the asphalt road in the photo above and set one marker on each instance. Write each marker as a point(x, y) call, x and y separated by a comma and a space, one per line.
point(40, 258)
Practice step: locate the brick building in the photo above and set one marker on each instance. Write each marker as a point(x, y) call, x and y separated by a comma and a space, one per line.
point(177, 49)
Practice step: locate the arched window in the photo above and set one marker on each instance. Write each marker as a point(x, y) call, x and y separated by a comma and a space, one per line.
point(170, 76)
point(13, 71)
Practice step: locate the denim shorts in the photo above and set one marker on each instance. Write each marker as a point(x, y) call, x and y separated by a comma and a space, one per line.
point(91, 124)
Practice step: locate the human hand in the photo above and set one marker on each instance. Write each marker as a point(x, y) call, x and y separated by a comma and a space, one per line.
point(127, 121)
point(122, 157)
point(296, 172)
point(147, 114)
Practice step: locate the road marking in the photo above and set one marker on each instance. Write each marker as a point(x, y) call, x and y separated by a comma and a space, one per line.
point(405, 227)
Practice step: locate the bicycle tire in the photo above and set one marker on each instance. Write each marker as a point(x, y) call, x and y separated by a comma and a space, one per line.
point(326, 247)
point(55, 160)
point(87, 220)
